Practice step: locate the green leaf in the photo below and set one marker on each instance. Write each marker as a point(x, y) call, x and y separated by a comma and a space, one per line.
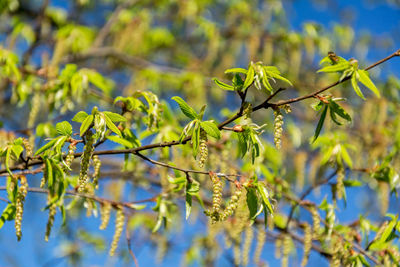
point(115, 117)
point(355, 85)
point(242, 143)
point(346, 157)
point(277, 75)
point(352, 183)
point(86, 124)
point(265, 197)
point(186, 109)
point(64, 128)
point(341, 66)
point(80, 116)
point(320, 123)
point(188, 202)
point(364, 79)
point(336, 108)
point(49, 171)
point(211, 129)
point(236, 70)
point(249, 77)
point(252, 202)
point(111, 125)
point(46, 146)
point(120, 141)
point(8, 214)
point(223, 85)
point(196, 139)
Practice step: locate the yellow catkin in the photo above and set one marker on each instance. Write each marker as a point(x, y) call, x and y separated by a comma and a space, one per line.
point(96, 173)
point(300, 161)
point(278, 129)
point(70, 156)
point(119, 227)
point(307, 243)
point(336, 253)
point(203, 149)
point(236, 253)
point(105, 211)
point(248, 239)
point(340, 190)
point(85, 161)
point(35, 108)
point(316, 221)
point(384, 194)
point(278, 247)
point(21, 194)
point(217, 198)
point(50, 221)
point(261, 237)
point(232, 205)
point(286, 248)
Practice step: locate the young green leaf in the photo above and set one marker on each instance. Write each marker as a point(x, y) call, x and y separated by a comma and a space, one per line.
point(110, 125)
point(252, 202)
point(249, 77)
point(80, 116)
point(64, 128)
point(186, 109)
point(320, 123)
point(211, 129)
point(87, 122)
point(336, 108)
point(341, 66)
point(236, 70)
point(196, 139)
point(46, 146)
point(355, 85)
point(364, 79)
point(120, 141)
point(8, 214)
point(223, 85)
point(265, 197)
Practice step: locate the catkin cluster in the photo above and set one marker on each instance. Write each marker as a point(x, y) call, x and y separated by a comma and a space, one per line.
point(35, 108)
point(248, 239)
point(203, 149)
point(105, 211)
point(339, 183)
point(216, 199)
point(308, 235)
point(119, 226)
point(316, 221)
point(20, 199)
point(96, 173)
point(261, 237)
point(27, 146)
point(50, 221)
point(70, 156)
point(85, 162)
point(278, 129)
point(286, 248)
point(232, 204)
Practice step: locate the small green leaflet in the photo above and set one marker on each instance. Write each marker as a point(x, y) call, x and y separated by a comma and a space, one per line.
point(249, 77)
point(110, 124)
point(64, 128)
point(186, 109)
point(8, 214)
point(115, 117)
point(192, 189)
point(196, 139)
point(223, 85)
point(236, 70)
point(120, 141)
point(80, 116)
point(87, 122)
point(355, 85)
point(364, 79)
point(265, 197)
point(252, 202)
point(335, 108)
point(320, 122)
point(211, 129)
point(341, 66)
